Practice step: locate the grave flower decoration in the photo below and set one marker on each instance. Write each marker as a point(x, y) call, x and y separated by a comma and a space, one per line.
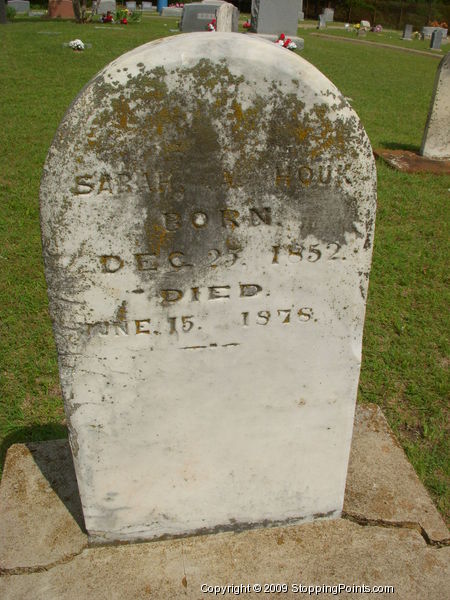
point(246, 25)
point(76, 45)
point(286, 42)
point(212, 26)
point(377, 29)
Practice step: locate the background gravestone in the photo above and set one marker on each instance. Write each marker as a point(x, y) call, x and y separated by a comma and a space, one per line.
point(407, 32)
point(61, 8)
point(227, 17)
point(275, 16)
point(436, 40)
point(328, 13)
point(148, 7)
point(436, 137)
point(171, 11)
point(21, 6)
point(207, 269)
point(196, 16)
point(322, 24)
point(106, 5)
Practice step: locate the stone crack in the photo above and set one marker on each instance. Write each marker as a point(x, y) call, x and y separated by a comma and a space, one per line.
point(366, 522)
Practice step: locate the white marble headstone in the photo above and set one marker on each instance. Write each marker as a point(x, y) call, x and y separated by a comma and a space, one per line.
point(436, 137)
point(207, 220)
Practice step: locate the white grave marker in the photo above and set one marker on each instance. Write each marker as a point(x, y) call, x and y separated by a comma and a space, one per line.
point(207, 217)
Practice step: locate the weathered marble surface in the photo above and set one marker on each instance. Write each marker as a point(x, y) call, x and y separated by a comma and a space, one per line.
point(436, 137)
point(227, 17)
point(207, 217)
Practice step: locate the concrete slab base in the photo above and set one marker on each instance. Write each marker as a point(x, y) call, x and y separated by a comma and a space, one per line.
point(390, 535)
point(410, 162)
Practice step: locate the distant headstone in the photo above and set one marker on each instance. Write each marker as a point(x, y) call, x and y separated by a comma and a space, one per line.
point(171, 11)
point(407, 32)
point(428, 31)
point(436, 137)
point(301, 14)
point(207, 220)
point(322, 24)
point(362, 32)
point(365, 24)
point(60, 8)
point(21, 6)
point(436, 40)
point(131, 6)
point(227, 17)
point(328, 13)
point(148, 7)
point(106, 5)
point(275, 16)
point(196, 16)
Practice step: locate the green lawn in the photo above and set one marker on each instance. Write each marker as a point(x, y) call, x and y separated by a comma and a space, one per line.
point(405, 361)
point(393, 38)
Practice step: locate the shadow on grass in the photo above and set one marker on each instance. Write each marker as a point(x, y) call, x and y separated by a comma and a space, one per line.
point(396, 146)
point(54, 459)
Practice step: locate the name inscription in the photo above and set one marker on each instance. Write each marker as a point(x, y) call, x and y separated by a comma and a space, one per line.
point(284, 177)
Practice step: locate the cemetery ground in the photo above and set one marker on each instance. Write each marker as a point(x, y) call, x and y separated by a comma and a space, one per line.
point(405, 348)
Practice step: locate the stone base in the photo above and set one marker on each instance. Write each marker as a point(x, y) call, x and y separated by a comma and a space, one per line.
point(390, 534)
point(410, 162)
point(270, 37)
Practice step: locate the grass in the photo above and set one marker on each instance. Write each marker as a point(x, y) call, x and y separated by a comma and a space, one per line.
point(393, 38)
point(405, 362)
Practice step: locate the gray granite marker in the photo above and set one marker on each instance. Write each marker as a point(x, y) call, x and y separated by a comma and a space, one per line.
point(171, 11)
point(196, 16)
point(407, 32)
point(21, 6)
point(106, 5)
point(275, 16)
point(436, 137)
point(436, 39)
point(322, 24)
point(207, 216)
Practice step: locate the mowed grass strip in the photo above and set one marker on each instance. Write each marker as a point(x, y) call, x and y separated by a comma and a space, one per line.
point(405, 352)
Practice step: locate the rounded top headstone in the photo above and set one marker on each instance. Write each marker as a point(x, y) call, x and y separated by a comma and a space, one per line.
point(207, 213)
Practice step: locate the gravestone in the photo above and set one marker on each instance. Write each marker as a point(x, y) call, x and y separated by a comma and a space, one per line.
point(196, 16)
point(301, 14)
point(322, 24)
point(227, 17)
point(207, 269)
point(436, 137)
point(131, 6)
point(171, 11)
point(407, 32)
point(60, 8)
point(275, 16)
point(106, 5)
point(328, 13)
point(362, 32)
point(148, 7)
point(21, 6)
point(427, 32)
point(436, 40)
